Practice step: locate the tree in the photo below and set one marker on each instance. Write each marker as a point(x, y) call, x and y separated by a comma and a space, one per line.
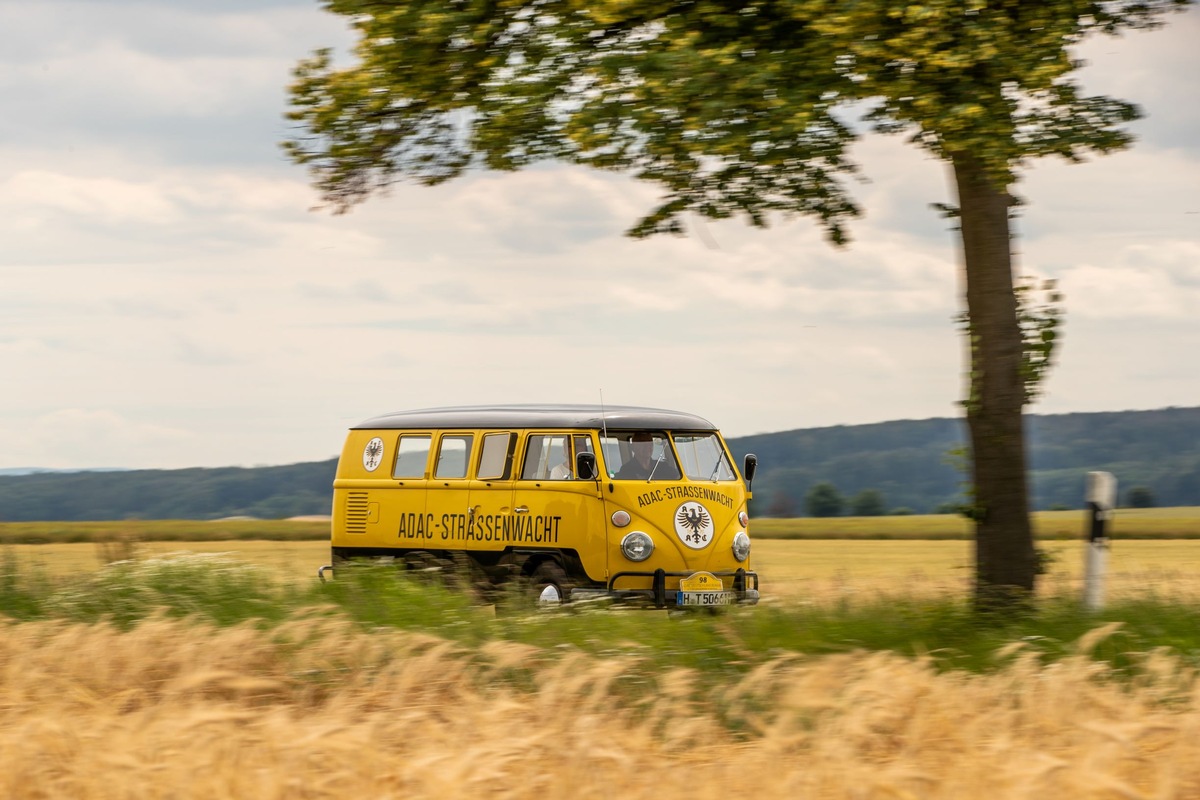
point(824, 500)
point(867, 503)
point(738, 110)
point(1141, 497)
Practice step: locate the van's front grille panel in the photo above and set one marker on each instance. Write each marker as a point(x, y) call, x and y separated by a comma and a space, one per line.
point(356, 512)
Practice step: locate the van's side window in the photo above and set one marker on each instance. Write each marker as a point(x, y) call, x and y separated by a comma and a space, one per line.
point(547, 457)
point(453, 456)
point(496, 459)
point(566, 469)
point(412, 456)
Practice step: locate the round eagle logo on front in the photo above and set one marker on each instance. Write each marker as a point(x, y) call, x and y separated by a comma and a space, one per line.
point(373, 454)
point(694, 525)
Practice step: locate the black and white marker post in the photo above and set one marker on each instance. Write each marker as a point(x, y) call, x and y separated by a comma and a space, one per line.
point(1101, 499)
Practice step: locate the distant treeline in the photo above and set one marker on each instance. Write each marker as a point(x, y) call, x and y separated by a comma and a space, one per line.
point(920, 466)
point(263, 492)
point(916, 465)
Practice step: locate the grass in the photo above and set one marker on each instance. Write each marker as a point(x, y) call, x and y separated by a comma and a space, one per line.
point(836, 615)
point(800, 570)
point(294, 560)
point(821, 598)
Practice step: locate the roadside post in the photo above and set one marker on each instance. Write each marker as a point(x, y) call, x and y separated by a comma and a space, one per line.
point(1101, 499)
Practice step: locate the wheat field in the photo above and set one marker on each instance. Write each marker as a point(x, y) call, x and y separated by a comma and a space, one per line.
point(836, 570)
point(320, 709)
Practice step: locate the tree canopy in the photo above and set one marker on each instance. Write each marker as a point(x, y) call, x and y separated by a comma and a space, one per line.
point(731, 108)
point(824, 500)
point(867, 503)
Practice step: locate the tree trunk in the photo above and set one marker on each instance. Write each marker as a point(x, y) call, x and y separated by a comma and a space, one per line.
point(1005, 560)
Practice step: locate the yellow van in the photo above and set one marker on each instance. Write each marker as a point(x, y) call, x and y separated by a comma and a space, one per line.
point(640, 505)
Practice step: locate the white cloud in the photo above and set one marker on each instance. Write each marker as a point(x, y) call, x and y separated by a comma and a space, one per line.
point(92, 438)
point(548, 210)
point(1128, 293)
point(104, 200)
point(1152, 69)
point(155, 85)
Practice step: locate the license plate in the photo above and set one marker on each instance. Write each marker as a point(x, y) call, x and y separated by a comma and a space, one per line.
point(705, 598)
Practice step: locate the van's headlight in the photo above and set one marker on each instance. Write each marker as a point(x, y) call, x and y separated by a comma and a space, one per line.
point(638, 546)
point(741, 546)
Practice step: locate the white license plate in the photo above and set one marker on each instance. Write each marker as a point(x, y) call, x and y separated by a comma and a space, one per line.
point(705, 598)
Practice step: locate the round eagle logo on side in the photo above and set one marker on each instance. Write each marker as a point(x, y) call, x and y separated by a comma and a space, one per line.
point(373, 454)
point(694, 525)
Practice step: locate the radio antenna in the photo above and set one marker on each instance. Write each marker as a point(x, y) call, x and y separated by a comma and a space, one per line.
point(603, 421)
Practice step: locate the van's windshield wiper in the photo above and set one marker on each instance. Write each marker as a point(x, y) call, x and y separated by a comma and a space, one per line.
point(716, 468)
point(657, 461)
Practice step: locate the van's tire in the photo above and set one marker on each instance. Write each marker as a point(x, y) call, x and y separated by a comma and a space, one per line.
point(432, 570)
point(549, 585)
point(427, 565)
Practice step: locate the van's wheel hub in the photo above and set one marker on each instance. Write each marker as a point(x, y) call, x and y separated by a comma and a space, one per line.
point(550, 585)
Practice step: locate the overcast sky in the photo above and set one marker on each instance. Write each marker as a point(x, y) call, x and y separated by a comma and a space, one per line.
point(168, 297)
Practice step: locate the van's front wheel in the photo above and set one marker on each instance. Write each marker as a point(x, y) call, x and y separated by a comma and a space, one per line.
point(549, 584)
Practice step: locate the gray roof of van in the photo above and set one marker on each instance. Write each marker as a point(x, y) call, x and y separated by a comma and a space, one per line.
point(591, 417)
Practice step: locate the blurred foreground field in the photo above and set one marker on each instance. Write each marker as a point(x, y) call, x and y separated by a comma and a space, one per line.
point(318, 707)
point(390, 690)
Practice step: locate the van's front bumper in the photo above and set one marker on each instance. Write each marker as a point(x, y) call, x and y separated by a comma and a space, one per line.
point(744, 587)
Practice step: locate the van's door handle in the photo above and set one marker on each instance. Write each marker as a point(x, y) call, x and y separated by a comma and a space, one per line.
point(522, 509)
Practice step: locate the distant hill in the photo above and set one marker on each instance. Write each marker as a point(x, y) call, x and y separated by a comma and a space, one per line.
point(265, 492)
point(911, 461)
point(907, 461)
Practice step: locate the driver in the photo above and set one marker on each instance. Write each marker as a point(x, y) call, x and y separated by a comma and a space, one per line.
point(642, 463)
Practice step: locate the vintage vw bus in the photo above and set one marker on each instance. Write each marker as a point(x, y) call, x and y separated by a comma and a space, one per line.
point(574, 501)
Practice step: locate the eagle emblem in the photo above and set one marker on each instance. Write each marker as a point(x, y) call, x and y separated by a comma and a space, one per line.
point(373, 454)
point(694, 525)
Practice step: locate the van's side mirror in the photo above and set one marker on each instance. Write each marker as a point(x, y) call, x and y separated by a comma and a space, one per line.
point(750, 467)
point(585, 466)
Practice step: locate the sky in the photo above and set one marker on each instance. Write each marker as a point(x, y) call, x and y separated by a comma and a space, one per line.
point(170, 296)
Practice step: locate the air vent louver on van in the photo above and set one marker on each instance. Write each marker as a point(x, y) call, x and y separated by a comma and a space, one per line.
point(356, 512)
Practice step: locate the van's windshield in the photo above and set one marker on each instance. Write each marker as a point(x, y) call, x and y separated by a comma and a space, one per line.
point(703, 457)
point(639, 456)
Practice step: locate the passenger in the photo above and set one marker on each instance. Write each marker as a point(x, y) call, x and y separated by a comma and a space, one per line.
point(563, 471)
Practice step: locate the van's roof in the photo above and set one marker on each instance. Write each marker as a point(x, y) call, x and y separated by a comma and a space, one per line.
point(589, 417)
